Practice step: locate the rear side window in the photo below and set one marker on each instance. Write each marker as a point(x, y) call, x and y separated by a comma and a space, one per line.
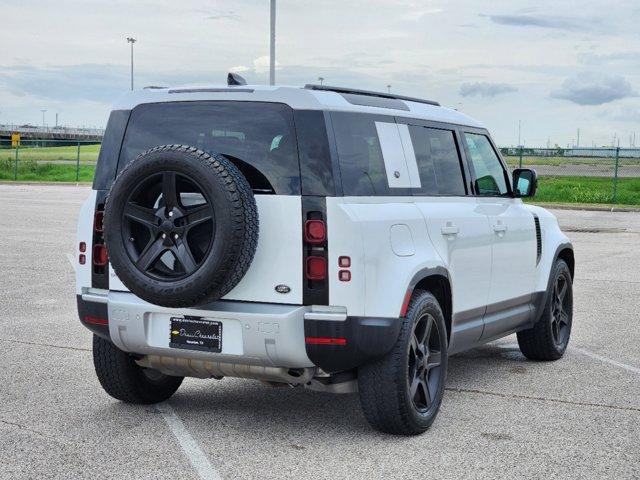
point(438, 161)
point(490, 175)
point(110, 149)
point(362, 165)
point(260, 136)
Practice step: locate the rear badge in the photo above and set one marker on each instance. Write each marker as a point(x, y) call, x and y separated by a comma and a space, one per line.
point(282, 289)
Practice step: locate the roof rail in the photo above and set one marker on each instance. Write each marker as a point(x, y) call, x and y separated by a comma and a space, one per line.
point(369, 93)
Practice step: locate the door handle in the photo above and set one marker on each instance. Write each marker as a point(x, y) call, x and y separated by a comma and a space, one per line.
point(499, 228)
point(450, 229)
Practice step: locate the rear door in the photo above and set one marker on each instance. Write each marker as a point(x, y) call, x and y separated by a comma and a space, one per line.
point(456, 228)
point(513, 237)
point(260, 139)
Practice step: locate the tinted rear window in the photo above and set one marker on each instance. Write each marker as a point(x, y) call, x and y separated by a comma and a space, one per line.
point(259, 134)
point(361, 162)
point(110, 149)
point(438, 161)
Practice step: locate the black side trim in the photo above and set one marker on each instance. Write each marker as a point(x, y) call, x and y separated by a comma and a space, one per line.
point(536, 220)
point(367, 339)
point(99, 275)
point(314, 292)
point(88, 312)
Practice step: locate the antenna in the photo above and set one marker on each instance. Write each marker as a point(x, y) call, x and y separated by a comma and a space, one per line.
point(234, 79)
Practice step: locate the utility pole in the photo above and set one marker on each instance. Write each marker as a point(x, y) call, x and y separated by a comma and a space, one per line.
point(272, 49)
point(43, 112)
point(519, 132)
point(131, 40)
point(56, 119)
point(578, 141)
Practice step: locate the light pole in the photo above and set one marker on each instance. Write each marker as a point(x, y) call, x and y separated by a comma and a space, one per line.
point(131, 40)
point(321, 79)
point(389, 88)
point(272, 49)
point(43, 112)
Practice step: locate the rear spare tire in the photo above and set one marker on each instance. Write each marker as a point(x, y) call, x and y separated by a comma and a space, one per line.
point(181, 226)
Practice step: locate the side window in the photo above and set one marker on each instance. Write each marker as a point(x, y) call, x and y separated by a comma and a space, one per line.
point(438, 161)
point(362, 166)
point(490, 175)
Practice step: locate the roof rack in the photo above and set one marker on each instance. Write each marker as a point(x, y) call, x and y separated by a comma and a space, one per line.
point(368, 93)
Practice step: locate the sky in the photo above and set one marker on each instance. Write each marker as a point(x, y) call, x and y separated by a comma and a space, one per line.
point(554, 67)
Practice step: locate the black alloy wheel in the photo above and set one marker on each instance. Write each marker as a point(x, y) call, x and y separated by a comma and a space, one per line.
point(167, 236)
point(425, 358)
point(560, 306)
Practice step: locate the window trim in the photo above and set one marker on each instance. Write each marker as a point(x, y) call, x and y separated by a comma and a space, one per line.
point(456, 138)
point(469, 161)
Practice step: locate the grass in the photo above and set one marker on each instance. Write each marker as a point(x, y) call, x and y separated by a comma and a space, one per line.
point(31, 171)
point(559, 161)
point(587, 190)
point(88, 153)
point(39, 165)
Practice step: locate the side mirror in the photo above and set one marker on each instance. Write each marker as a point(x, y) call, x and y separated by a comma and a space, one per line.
point(525, 182)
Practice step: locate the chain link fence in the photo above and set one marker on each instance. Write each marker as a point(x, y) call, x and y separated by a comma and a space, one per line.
point(582, 175)
point(48, 160)
point(566, 175)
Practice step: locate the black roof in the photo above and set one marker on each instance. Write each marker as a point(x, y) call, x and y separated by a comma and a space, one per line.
point(369, 93)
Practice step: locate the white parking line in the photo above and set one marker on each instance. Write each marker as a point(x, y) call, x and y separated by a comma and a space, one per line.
point(194, 453)
point(595, 356)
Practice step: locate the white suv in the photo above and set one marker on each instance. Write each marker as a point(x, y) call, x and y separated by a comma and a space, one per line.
point(340, 240)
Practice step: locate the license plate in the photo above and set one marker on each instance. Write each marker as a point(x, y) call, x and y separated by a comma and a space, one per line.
point(195, 333)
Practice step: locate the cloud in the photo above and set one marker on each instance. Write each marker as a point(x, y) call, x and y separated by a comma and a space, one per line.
point(485, 89)
point(260, 65)
point(542, 21)
point(594, 89)
point(618, 58)
point(222, 15)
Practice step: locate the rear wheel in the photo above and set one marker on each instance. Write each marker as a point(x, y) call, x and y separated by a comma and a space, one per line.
point(123, 379)
point(549, 337)
point(401, 392)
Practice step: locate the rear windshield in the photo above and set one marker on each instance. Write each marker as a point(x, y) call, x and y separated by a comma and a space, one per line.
point(258, 134)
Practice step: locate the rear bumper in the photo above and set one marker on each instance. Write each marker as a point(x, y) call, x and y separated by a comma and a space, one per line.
point(365, 339)
point(259, 334)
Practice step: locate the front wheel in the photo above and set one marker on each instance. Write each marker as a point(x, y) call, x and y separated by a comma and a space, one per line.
point(123, 379)
point(401, 392)
point(549, 337)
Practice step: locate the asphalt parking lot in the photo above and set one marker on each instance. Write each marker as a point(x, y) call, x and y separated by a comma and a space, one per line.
point(502, 416)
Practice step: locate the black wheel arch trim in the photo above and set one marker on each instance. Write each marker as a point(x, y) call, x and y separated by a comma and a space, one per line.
point(540, 298)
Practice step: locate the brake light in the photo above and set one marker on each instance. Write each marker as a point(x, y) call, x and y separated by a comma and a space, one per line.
point(82, 247)
point(100, 256)
point(344, 275)
point(316, 268)
point(82, 259)
point(315, 231)
point(325, 341)
point(98, 221)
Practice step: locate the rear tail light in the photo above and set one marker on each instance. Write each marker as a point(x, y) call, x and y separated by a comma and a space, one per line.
point(316, 268)
point(100, 257)
point(98, 221)
point(82, 259)
point(344, 275)
point(82, 247)
point(315, 231)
